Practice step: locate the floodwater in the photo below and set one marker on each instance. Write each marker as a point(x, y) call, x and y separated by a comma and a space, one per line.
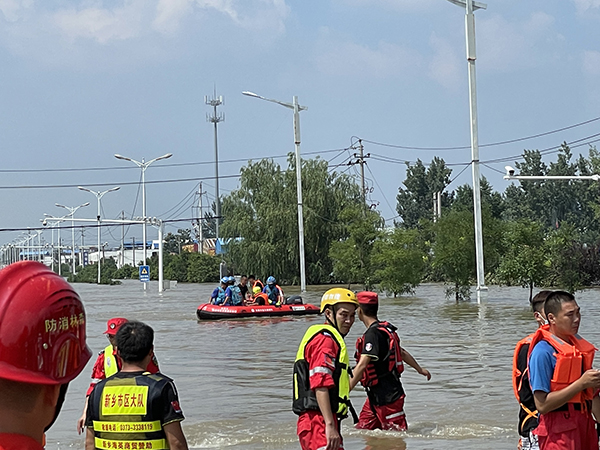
point(234, 377)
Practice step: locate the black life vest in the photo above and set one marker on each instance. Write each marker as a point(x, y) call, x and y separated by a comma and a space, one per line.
point(394, 355)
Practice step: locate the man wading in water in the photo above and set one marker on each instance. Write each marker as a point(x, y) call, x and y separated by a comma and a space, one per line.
point(321, 374)
point(562, 379)
point(380, 362)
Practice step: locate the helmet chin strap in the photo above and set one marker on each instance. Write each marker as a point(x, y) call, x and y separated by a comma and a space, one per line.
point(334, 323)
point(59, 403)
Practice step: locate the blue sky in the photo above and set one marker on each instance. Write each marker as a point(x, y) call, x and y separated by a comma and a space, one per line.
point(82, 80)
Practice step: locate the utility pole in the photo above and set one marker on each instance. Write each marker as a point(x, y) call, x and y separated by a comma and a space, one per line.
point(133, 238)
point(200, 230)
point(215, 118)
point(360, 159)
point(123, 239)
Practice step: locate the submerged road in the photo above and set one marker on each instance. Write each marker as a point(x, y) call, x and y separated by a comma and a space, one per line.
point(234, 377)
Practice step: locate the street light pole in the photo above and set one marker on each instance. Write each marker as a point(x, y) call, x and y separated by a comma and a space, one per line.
point(471, 6)
point(99, 196)
point(143, 165)
point(296, 108)
point(72, 210)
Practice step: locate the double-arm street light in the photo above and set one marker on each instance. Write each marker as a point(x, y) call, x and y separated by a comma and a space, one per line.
point(471, 6)
point(72, 210)
point(99, 196)
point(296, 108)
point(144, 165)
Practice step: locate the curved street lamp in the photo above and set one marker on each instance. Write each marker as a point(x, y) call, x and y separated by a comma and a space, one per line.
point(296, 108)
point(72, 210)
point(99, 196)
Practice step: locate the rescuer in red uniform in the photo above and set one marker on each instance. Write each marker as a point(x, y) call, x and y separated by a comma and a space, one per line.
point(563, 380)
point(380, 361)
point(107, 364)
point(321, 374)
point(42, 349)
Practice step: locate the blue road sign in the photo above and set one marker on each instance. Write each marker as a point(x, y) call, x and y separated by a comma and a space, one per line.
point(144, 274)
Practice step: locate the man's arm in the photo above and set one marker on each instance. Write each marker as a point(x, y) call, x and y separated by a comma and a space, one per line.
point(175, 436)
point(546, 402)
point(81, 421)
point(331, 432)
point(412, 362)
point(358, 371)
point(89, 440)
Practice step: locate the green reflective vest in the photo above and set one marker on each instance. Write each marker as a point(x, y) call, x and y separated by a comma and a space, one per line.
point(304, 397)
point(110, 361)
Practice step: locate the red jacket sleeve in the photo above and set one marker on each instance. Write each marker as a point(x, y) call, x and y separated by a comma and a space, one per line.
point(153, 365)
point(97, 373)
point(321, 354)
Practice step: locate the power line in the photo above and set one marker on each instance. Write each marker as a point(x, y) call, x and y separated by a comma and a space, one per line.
point(197, 163)
point(464, 147)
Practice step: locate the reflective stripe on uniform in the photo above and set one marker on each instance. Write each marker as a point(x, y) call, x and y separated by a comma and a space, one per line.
point(392, 416)
point(320, 369)
point(109, 444)
point(127, 427)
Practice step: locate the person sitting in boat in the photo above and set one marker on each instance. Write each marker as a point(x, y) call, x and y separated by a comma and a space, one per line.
point(257, 298)
point(274, 292)
point(218, 295)
point(233, 294)
point(253, 282)
point(246, 293)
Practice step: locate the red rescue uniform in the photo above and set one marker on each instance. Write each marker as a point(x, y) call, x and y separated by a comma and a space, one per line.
point(10, 441)
point(320, 353)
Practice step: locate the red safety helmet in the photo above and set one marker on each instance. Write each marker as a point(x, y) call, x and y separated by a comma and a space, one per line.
point(42, 326)
point(113, 325)
point(367, 298)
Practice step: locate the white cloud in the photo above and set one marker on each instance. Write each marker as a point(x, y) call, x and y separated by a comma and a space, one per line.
point(101, 24)
point(169, 13)
point(13, 10)
point(507, 46)
point(591, 63)
point(585, 5)
point(444, 66)
point(397, 5)
point(343, 58)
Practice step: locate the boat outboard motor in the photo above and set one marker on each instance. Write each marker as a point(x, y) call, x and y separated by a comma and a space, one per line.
point(294, 300)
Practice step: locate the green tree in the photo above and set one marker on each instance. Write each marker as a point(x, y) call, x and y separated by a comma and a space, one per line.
point(399, 259)
point(415, 199)
point(454, 249)
point(263, 213)
point(490, 199)
point(526, 258)
point(352, 256)
point(566, 259)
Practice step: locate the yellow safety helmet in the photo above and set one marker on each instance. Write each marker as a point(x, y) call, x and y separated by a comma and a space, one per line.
point(338, 295)
point(256, 290)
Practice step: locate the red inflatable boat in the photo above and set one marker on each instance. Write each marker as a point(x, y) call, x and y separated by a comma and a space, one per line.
point(213, 312)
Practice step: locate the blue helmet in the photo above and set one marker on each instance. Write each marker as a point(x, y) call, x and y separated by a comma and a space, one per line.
point(224, 280)
point(271, 280)
point(231, 279)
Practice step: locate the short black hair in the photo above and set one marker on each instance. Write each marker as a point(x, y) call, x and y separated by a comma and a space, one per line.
point(370, 310)
point(134, 341)
point(553, 303)
point(538, 300)
point(252, 276)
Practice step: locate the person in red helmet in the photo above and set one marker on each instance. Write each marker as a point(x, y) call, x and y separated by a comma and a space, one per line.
point(107, 364)
point(380, 359)
point(42, 348)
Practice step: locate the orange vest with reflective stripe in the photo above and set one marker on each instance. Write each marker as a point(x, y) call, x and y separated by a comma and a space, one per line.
point(573, 358)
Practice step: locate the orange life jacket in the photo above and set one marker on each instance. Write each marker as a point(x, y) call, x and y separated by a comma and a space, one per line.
point(573, 358)
point(394, 356)
point(528, 411)
point(259, 284)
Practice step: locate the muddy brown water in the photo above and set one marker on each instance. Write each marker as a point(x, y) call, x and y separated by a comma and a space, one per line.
point(234, 377)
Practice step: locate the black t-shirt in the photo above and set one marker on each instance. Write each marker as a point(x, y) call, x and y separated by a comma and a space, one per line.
point(243, 289)
point(165, 404)
point(377, 346)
